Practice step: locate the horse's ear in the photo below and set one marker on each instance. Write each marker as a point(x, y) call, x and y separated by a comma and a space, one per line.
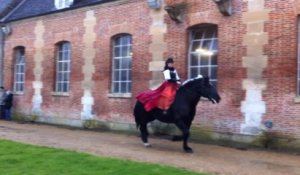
point(206, 79)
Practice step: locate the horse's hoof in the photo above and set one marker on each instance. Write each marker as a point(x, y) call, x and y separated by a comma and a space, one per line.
point(147, 145)
point(188, 150)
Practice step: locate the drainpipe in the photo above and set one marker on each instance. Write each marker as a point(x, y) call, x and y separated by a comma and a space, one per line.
point(1, 54)
point(5, 30)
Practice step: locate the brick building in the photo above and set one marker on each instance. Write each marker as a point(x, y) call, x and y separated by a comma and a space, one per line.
point(70, 62)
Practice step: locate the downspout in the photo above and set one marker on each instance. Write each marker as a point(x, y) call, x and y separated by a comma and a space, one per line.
point(2, 38)
point(5, 30)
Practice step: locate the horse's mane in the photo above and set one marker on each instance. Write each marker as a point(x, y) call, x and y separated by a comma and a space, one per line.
point(189, 82)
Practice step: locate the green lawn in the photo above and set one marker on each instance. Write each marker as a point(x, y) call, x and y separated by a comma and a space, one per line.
point(23, 159)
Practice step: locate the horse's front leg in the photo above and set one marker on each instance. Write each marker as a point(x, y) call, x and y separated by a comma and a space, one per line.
point(185, 135)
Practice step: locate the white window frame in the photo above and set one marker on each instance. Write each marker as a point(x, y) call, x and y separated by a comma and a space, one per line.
point(60, 4)
point(117, 83)
point(63, 67)
point(201, 53)
point(19, 73)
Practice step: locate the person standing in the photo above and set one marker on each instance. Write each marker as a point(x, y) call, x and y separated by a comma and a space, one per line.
point(2, 96)
point(8, 102)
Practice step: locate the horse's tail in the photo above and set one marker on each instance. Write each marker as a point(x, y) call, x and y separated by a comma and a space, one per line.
point(136, 116)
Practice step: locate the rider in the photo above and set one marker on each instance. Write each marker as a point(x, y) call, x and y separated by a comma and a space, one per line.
point(164, 95)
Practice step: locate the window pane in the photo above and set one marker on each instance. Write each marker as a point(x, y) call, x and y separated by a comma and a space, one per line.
point(196, 45)
point(123, 87)
point(65, 66)
point(206, 44)
point(65, 87)
point(21, 78)
point(204, 71)
point(125, 51)
point(117, 52)
point(210, 33)
point(22, 68)
point(66, 76)
point(116, 75)
point(123, 75)
point(65, 55)
point(213, 73)
point(129, 75)
point(126, 40)
point(125, 63)
point(60, 76)
point(117, 63)
point(116, 87)
point(204, 61)
point(117, 41)
point(198, 35)
point(214, 59)
point(60, 66)
point(194, 59)
point(194, 72)
point(215, 44)
point(58, 87)
point(21, 88)
point(67, 46)
point(60, 56)
point(129, 87)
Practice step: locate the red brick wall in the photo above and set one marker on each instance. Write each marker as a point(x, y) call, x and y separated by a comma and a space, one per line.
point(224, 117)
point(281, 72)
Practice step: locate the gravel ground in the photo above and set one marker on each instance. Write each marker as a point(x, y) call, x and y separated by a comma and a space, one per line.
point(206, 158)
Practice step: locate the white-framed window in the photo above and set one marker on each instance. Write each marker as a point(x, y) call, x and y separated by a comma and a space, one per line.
point(19, 69)
point(121, 64)
point(60, 4)
point(203, 52)
point(63, 67)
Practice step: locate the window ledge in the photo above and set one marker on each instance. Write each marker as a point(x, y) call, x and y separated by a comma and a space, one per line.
point(297, 99)
point(119, 95)
point(18, 93)
point(63, 94)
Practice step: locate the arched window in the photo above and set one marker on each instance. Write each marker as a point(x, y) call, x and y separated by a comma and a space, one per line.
point(203, 52)
point(121, 66)
point(19, 69)
point(63, 67)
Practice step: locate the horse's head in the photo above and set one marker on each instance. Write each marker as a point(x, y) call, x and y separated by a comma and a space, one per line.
point(209, 91)
point(204, 88)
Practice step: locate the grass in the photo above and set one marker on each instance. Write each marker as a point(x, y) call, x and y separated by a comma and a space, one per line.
point(22, 159)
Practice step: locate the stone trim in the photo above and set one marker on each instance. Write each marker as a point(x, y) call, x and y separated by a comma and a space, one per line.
point(38, 57)
point(255, 61)
point(88, 69)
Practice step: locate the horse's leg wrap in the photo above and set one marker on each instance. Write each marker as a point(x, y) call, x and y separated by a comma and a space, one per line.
point(144, 132)
point(147, 145)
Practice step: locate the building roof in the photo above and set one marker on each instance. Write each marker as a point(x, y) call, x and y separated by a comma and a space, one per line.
point(33, 8)
point(7, 5)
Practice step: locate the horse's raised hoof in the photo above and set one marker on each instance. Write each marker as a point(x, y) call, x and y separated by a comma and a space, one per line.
point(188, 150)
point(176, 138)
point(147, 145)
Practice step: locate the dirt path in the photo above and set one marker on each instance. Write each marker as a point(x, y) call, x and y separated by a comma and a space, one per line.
point(207, 158)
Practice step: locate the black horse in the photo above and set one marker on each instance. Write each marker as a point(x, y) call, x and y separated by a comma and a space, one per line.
point(181, 112)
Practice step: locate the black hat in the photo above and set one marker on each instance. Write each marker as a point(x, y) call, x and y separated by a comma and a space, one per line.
point(170, 60)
